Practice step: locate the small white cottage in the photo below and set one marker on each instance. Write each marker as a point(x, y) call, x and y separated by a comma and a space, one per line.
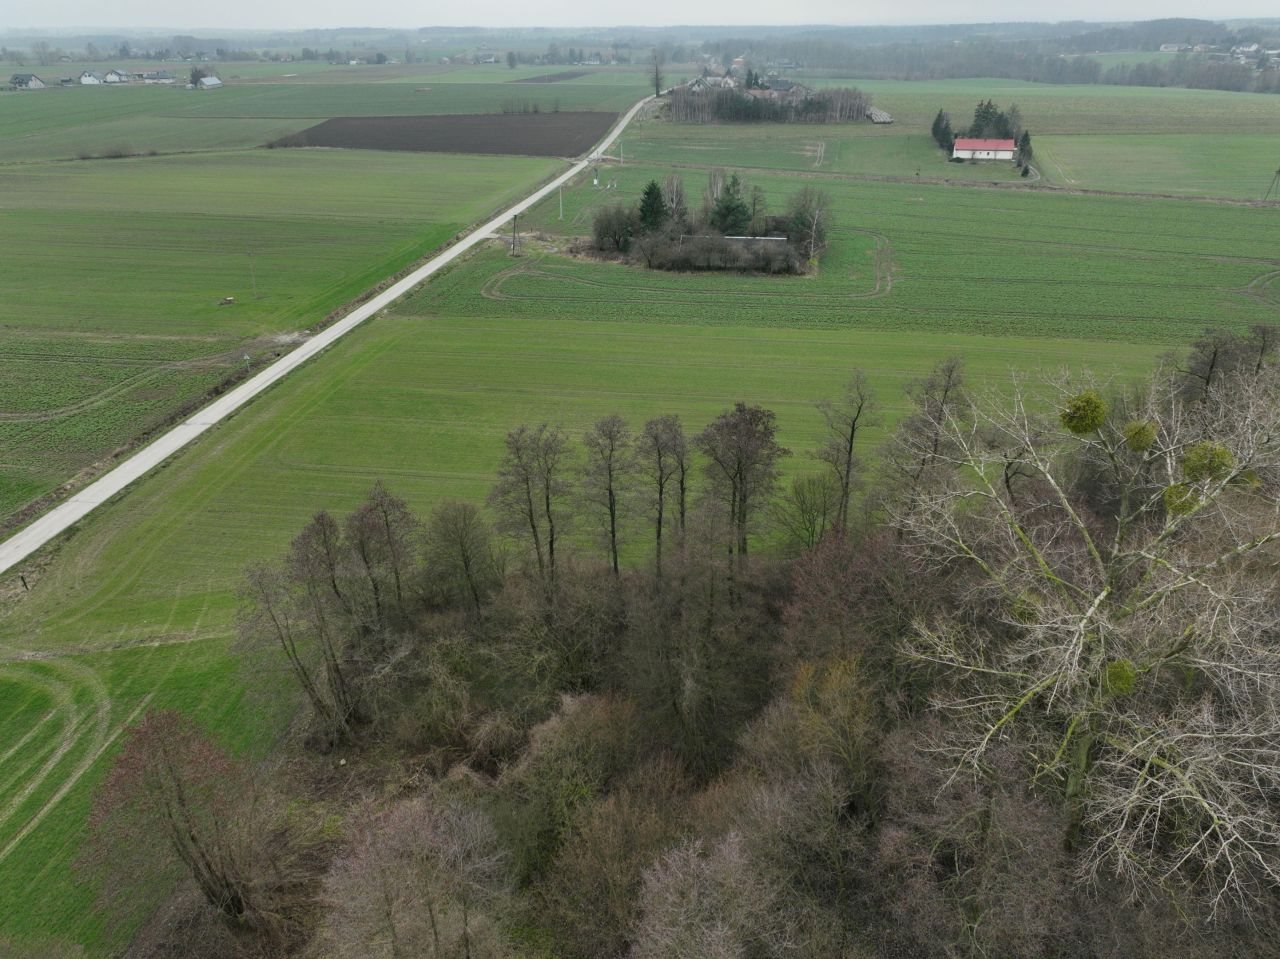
point(967, 148)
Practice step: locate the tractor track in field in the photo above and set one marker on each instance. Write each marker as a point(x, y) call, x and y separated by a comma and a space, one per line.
point(115, 390)
point(67, 683)
point(87, 763)
point(1264, 287)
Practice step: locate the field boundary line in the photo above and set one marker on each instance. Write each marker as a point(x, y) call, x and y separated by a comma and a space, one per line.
point(31, 538)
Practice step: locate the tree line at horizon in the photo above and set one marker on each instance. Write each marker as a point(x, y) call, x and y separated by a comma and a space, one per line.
point(1055, 53)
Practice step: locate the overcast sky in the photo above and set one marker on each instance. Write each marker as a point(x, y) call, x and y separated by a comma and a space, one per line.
point(274, 14)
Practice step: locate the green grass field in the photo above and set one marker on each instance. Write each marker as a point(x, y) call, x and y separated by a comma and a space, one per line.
point(846, 148)
point(1202, 164)
point(135, 607)
point(61, 721)
point(915, 257)
point(1072, 108)
point(1126, 139)
point(65, 123)
point(1116, 58)
point(154, 243)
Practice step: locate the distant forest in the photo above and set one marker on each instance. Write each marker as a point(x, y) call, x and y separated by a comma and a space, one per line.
point(1053, 58)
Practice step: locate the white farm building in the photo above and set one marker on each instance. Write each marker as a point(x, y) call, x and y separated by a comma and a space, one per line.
point(969, 149)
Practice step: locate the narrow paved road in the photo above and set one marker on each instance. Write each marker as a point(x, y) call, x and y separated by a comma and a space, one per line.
point(21, 545)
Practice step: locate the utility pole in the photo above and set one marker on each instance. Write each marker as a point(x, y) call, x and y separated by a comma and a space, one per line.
point(514, 235)
point(562, 201)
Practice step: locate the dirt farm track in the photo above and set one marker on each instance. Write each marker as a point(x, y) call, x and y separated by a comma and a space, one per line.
point(525, 134)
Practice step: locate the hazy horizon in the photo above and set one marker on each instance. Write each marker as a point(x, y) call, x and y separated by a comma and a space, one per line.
point(81, 16)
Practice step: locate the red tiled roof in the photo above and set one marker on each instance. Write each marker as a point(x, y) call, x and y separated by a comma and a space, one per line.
point(964, 143)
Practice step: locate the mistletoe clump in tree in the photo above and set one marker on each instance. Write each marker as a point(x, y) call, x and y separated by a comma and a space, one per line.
point(1118, 614)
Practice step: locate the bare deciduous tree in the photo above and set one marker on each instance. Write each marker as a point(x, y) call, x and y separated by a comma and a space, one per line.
point(607, 475)
point(176, 805)
point(854, 410)
point(743, 454)
point(282, 616)
point(916, 452)
point(1220, 354)
point(592, 890)
point(531, 489)
point(1133, 650)
point(809, 508)
point(418, 880)
point(673, 196)
point(664, 454)
point(460, 554)
point(381, 537)
point(808, 213)
point(708, 900)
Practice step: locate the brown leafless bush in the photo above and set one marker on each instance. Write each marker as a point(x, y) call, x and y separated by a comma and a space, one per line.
point(177, 808)
point(706, 899)
point(591, 893)
point(424, 878)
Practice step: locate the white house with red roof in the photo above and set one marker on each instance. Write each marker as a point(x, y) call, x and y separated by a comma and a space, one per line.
point(968, 148)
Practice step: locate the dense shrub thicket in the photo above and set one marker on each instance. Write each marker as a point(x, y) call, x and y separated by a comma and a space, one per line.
point(733, 230)
point(731, 105)
point(1008, 688)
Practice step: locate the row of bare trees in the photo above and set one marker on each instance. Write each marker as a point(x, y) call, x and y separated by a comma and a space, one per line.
point(621, 478)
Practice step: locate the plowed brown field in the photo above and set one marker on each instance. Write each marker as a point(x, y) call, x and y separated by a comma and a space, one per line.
point(526, 134)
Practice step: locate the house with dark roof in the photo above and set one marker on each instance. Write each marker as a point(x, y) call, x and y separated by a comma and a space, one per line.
point(91, 79)
point(26, 81)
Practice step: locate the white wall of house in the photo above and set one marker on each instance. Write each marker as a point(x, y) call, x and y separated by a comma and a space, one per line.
point(982, 154)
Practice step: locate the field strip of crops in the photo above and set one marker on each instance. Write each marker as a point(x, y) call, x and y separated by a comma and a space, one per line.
point(33, 537)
